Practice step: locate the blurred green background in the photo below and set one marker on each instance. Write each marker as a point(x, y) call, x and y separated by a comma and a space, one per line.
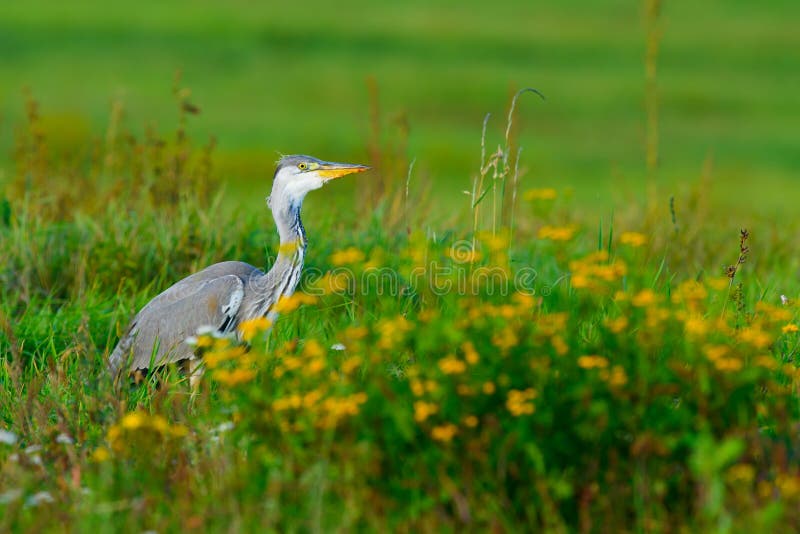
point(293, 77)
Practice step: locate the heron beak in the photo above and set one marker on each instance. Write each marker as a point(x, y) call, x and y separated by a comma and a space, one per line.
point(330, 171)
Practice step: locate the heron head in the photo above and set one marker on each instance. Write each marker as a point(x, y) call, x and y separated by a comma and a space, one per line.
point(297, 175)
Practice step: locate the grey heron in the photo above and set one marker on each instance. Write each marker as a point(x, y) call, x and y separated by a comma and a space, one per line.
point(225, 294)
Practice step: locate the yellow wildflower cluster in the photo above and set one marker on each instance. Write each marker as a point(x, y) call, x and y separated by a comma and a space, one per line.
point(444, 433)
point(691, 293)
point(594, 272)
point(773, 313)
point(224, 351)
point(694, 324)
point(497, 241)
point(788, 485)
point(505, 339)
point(419, 387)
point(327, 412)
point(592, 362)
point(464, 255)
point(616, 377)
point(392, 331)
point(292, 302)
point(617, 324)
point(744, 473)
point(137, 425)
point(755, 336)
point(557, 233)
point(633, 239)
point(470, 354)
point(347, 256)
point(249, 329)
point(645, 298)
point(450, 365)
point(520, 402)
point(547, 193)
point(790, 328)
point(233, 377)
point(423, 410)
point(720, 356)
point(334, 409)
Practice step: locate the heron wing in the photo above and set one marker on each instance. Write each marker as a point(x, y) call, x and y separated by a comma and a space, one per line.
point(157, 334)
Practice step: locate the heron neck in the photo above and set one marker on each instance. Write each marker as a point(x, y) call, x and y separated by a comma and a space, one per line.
point(290, 228)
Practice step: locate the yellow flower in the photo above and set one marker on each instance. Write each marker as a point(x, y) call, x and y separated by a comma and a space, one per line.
point(519, 402)
point(618, 377)
point(470, 354)
point(789, 485)
point(311, 398)
point(789, 328)
point(767, 362)
point(644, 298)
point(315, 366)
point(617, 325)
point(547, 193)
point(728, 364)
point(505, 339)
point(431, 386)
point(133, 420)
point(464, 255)
point(488, 388)
point(755, 337)
point(719, 283)
point(471, 421)
point(392, 331)
point(100, 455)
point(204, 341)
point(741, 473)
point(423, 410)
point(252, 327)
point(557, 233)
point(592, 362)
point(292, 302)
point(313, 349)
point(450, 365)
point(347, 256)
point(233, 377)
point(774, 313)
point(633, 239)
point(696, 325)
point(351, 364)
point(495, 242)
point(417, 387)
point(444, 432)
point(715, 352)
point(691, 291)
point(354, 333)
point(559, 345)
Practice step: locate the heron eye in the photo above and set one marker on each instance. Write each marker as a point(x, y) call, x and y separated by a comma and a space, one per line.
point(302, 166)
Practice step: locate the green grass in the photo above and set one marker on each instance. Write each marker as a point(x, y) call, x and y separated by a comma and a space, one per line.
point(293, 79)
point(621, 382)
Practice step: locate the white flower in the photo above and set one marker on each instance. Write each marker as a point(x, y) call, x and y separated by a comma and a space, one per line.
point(225, 427)
point(64, 439)
point(38, 498)
point(338, 346)
point(10, 495)
point(9, 438)
point(784, 300)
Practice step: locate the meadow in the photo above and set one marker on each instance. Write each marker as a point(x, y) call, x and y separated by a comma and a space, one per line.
point(478, 344)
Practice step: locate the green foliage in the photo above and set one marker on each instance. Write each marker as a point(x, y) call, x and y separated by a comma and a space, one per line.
point(565, 379)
